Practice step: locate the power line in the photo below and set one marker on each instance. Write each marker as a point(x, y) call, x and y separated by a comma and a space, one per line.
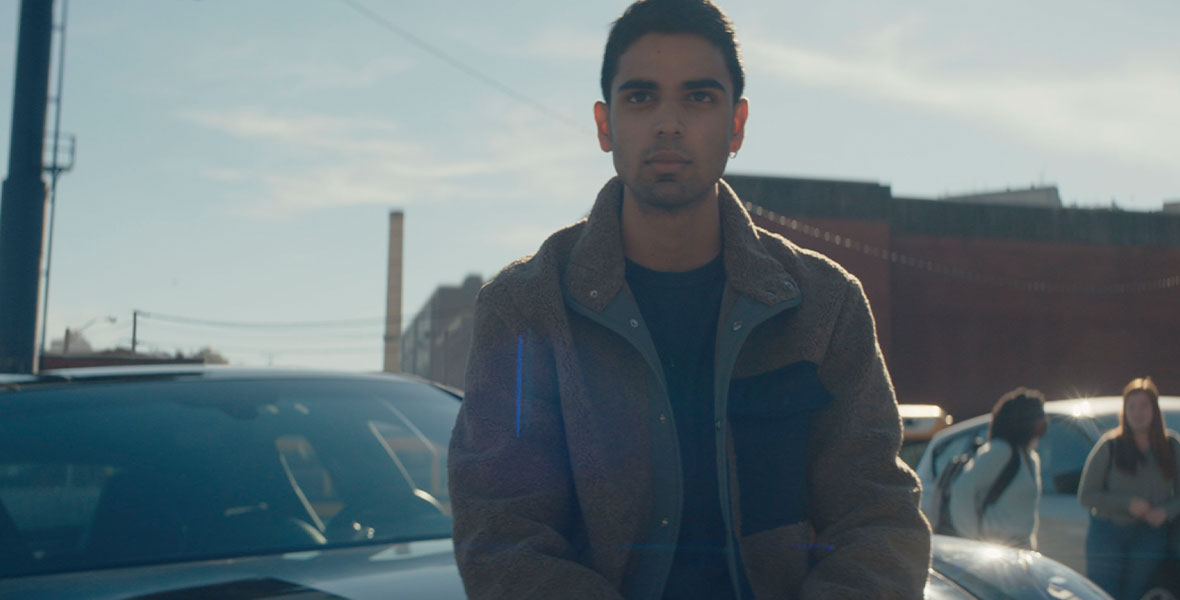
point(456, 63)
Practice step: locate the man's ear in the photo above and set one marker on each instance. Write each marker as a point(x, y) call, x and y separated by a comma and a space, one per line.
point(602, 124)
point(741, 111)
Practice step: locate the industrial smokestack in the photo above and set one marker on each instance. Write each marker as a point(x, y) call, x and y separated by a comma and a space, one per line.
point(393, 294)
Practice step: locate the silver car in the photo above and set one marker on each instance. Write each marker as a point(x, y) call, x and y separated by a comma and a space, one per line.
point(1074, 427)
point(165, 484)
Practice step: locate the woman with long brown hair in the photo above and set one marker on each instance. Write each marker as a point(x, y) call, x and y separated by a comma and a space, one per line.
point(1132, 489)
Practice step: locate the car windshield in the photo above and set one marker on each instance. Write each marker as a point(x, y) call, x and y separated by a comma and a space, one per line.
point(117, 474)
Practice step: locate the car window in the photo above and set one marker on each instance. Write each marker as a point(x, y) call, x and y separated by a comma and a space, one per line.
point(123, 474)
point(421, 461)
point(1063, 451)
point(308, 476)
point(911, 451)
point(52, 502)
point(952, 446)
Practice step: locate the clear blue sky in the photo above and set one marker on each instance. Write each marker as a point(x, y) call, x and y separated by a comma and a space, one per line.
point(237, 159)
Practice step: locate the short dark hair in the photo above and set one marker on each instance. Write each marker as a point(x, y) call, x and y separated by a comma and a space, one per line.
point(695, 17)
point(1017, 417)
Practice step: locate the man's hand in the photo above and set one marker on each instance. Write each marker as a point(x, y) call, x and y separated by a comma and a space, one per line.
point(1139, 507)
point(1156, 517)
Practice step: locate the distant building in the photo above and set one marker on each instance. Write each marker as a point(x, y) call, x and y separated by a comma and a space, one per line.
point(973, 296)
point(119, 357)
point(1172, 207)
point(1033, 197)
point(435, 343)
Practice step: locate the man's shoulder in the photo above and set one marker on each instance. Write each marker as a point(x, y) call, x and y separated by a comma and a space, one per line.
point(813, 271)
point(534, 273)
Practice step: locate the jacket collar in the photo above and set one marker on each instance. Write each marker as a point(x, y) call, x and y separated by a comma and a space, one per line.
point(596, 271)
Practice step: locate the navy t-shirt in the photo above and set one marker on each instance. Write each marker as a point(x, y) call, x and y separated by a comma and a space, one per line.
point(681, 311)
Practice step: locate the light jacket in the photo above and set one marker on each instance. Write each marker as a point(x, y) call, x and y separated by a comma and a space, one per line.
point(1107, 490)
point(1012, 518)
point(564, 465)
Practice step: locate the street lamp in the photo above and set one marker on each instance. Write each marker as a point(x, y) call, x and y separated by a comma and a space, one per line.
point(65, 346)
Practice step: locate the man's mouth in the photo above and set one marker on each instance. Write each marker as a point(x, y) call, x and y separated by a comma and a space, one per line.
point(667, 161)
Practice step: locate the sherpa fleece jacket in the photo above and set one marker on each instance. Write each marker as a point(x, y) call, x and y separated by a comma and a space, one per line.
point(564, 467)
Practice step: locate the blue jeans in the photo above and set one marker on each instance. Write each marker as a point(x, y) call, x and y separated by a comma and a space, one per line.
point(1122, 558)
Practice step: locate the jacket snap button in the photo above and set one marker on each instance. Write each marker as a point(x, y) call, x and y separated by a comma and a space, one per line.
point(634, 323)
point(737, 325)
point(593, 293)
point(664, 522)
point(717, 424)
point(663, 417)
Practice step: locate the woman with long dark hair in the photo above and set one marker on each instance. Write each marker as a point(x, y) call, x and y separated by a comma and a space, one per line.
point(1132, 489)
point(996, 496)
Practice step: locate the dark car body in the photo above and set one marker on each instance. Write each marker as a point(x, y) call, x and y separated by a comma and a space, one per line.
point(169, 484)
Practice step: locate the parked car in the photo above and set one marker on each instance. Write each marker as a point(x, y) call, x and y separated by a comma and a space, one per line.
point(919, 424)
point(204, 482)
point(1074, 428)
point(122, 482)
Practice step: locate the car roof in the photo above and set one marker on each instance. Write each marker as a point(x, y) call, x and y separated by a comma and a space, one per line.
point(921, 410)
point(1076, 407)
point(142, 373)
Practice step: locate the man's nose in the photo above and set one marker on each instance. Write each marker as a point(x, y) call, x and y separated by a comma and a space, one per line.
point(669, 120)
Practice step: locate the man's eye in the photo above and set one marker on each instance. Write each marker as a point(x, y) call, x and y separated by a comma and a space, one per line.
point(701, 97)
point(639, 97)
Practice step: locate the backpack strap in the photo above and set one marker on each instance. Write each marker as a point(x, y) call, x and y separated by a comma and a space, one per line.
point(1109, 464)
point(1003, 480)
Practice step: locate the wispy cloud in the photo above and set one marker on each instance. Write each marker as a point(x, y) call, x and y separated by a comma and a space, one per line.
point(315, 161)
point(305, 130)
point(275, 64)
point(558, 44)
point(1129, 114)
point(319, 74)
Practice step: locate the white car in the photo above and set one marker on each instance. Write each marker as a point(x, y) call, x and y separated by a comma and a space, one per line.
point(1074, 428)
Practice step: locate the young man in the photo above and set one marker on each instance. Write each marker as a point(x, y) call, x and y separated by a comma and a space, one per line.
point(667, 401)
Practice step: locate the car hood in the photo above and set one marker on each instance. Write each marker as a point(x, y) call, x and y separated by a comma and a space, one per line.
point(992, 571)
point(424, 569)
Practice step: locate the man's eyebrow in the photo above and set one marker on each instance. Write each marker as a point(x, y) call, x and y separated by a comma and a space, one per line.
point(703, 84)
point(637, 84)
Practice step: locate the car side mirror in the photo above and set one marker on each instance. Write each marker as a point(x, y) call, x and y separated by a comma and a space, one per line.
point(1067, 482)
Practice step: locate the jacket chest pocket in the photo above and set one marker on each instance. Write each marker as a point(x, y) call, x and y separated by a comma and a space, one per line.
point(769, 417)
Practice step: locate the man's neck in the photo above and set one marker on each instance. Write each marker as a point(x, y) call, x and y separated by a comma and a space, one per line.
point(671, 240)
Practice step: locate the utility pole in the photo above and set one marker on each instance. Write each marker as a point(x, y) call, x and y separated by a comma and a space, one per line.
point(22, 209)
point(55, 169)
point(134, 328)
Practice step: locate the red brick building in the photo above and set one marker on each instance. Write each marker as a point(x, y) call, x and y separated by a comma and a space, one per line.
point(972, 300)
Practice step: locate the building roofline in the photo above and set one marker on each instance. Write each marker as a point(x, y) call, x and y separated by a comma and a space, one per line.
point(815, 198)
